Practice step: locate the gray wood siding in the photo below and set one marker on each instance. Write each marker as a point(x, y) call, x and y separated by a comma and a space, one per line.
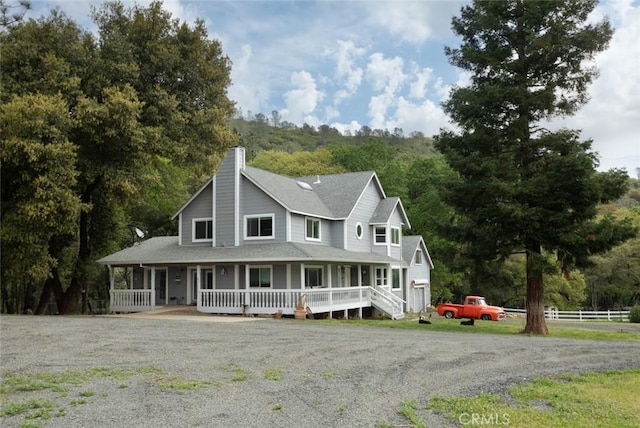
point(254, 201)
point(298, 231)
point(200, 207)
point(396, 221)
point(225, 199)
point(362, 213)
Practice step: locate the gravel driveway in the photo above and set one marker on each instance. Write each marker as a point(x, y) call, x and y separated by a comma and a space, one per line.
point(331, 375)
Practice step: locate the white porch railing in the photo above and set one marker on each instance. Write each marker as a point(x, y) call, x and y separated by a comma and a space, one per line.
point(387, 302)
point(271, 301)
point(130, 300)
point(552, 314)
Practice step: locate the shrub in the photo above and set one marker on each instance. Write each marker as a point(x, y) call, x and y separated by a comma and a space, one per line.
point(634, 314)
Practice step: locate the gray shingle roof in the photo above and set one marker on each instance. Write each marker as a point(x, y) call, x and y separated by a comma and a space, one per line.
point(288, 193)
point(165, 250)
point(340, 192)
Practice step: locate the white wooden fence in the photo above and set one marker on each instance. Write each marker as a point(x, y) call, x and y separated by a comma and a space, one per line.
point(554, 314)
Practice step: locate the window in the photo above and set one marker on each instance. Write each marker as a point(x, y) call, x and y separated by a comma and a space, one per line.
point(359, 230)
point(395, 278)
point(419, 257)
point(257, 227)
point(202, 229)
point(395, 236)
point(381, 234)
point(260, 277)
point(313, 276)
point(381, 276)
point(312, 226)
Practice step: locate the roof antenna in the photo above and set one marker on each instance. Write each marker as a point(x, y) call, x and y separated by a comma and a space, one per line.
point(317, 180)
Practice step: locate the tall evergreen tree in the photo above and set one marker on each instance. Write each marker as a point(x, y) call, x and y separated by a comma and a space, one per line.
point(523, 188)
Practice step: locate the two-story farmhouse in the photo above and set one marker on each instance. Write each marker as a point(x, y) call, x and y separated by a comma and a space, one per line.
point(253, 242)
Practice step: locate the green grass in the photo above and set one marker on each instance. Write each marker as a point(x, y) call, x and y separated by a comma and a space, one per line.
point(610, 399)
point(408, 410)
point(626, 331)
point(34, 411)
point(273, 373)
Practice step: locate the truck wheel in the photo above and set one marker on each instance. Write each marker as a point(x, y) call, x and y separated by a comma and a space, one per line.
point(486, 317)
point(448, 314)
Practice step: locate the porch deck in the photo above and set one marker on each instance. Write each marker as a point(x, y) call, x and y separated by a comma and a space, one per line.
point(320, 300)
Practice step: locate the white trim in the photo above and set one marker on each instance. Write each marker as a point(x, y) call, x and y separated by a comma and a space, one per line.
point(345, 237)
point(180, 229)
point(193, 229)
point(288, 225)
point(259, 216)
point(306, 230)
point(214, 214)
point(236, 201)
point(375, 235)
point(359, 237)
point(392, 230)
point(415, 257)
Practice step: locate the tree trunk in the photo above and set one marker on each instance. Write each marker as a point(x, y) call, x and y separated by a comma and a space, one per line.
point(536, 323)
point(45, 297)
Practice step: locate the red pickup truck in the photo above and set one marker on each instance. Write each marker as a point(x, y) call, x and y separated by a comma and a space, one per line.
point(474, 307)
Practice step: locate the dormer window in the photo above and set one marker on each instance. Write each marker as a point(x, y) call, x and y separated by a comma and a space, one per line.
point(202, 230)
point(312, 229)
point(259, 226)
point(419, 257)
point(380, 234)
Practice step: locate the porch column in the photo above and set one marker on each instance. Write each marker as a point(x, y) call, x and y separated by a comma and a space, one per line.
point(166, 288)
point(330, 283)
point(198, 285)
point(360, 290)
point(153, 287)
point(112, 286)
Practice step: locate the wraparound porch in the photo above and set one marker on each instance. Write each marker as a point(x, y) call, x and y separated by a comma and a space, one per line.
point(247, 301)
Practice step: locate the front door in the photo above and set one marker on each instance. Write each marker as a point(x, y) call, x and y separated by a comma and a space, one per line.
point(207, 282)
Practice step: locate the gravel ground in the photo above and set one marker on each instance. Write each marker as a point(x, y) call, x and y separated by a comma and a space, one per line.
point(332, 375)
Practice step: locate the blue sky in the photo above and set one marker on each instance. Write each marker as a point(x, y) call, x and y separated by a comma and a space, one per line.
point(381, 64)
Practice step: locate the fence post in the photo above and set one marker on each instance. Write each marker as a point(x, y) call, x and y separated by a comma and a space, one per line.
point(608, 314)
point(580, 314)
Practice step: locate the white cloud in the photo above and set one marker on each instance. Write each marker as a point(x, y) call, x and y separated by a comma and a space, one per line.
point(346, 70)
point(612, 116)
point(418, 88)
point(385, 74)
point(426, 117)
point(345, 128)
point(249, 89)
point(378, 106)
point(303, 100)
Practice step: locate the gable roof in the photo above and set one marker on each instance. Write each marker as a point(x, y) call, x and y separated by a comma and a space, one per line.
point(410, 244)
point(164, 250)
point(385, 209)
point(341, 192)
point(288, 193)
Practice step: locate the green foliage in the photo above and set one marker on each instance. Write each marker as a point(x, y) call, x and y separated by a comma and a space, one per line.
point(92, 127)
point(297, 164)
point(634, 314)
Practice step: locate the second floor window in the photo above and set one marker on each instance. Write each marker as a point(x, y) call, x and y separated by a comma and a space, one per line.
point(419, 257)
point(381, 234)
point(202, 229)
point(259, 226)
point(312, 227)
point(395, 236)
